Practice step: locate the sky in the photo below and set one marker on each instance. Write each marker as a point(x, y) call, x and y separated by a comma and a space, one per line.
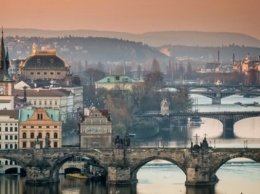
point(134, 16)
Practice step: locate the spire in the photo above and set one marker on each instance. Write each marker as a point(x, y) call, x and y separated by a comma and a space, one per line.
point(2, 51)
point(4, 63)
point(7, 62)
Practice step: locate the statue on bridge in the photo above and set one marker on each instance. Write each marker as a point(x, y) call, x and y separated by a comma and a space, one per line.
point(203, 145)
point(122, 142)
point(47, 142)
point(165, 107)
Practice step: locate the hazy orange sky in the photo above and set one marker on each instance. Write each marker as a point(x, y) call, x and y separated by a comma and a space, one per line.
point(135, 16)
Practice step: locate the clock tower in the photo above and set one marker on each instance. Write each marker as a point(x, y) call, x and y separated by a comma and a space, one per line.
point(6, 83)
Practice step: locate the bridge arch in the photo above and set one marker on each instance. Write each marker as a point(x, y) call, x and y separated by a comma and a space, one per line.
point(135, 168)
point(14, 159)
point(54, 170)
point(230, 157)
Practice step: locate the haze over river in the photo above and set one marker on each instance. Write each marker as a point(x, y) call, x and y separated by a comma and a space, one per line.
point(161, 177)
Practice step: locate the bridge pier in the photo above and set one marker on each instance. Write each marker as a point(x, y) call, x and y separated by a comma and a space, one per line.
point(120, 176)
point(228, 128)
point(119, 171)
point(38, 170)
point(200, 176)
point(216, 100)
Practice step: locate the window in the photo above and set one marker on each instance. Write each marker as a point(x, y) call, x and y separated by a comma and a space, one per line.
point(56, 103)
point(34, 102)
point(55, 126)
point(45, 73)
point(24, 135)
point(6, 162)
point(45, 102)
point(0, 128)
point(32, 135)
point(40, 102)
point(50, 102)
point(15, 129)
point(6, 128)
point(24, 144)
point(55, 144)
point(48, 127)
point(15, 146)
point(31, 144)
point(32, 73)
point(48, 134)
point(39, 116)
point(32, 127)
point(6, 137)
point(24, 126)
point(11, 147)
point(38, 73)
point(11, 137)
point(6, 146)
point(11, 128)
point(40, 135)
point(55, 135)
point(51, 73)
point(58, 73)
point(15, 137)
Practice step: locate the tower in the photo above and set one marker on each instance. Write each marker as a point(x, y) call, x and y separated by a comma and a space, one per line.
point(6, 82)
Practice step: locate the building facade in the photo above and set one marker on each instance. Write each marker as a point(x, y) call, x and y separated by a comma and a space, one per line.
point(42, 126)
point(60, 99)
point(95, 128)
point(9, 123)
point(121, 82)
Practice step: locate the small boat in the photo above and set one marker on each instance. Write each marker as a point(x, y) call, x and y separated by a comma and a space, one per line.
point(76, 175)
point(195, 121)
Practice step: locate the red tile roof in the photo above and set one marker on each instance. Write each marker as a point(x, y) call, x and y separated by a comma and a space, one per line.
point(12, 113)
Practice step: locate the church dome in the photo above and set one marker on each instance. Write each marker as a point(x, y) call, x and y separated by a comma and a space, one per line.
point(44, 60)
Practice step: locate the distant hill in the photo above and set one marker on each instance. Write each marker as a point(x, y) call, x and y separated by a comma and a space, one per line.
point(91, 49)
point(186, 38)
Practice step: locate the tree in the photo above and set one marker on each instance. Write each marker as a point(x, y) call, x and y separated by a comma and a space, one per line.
point(93, 75)
point(153, 81)
point(155, 66)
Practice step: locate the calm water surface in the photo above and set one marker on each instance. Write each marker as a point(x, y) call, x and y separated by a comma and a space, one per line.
point(161, 177)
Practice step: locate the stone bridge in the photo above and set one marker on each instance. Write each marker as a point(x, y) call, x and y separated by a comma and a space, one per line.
point(228, 119)
point(217, 92)
point(199, 163)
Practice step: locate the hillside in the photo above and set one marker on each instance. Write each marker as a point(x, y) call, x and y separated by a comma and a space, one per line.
point(186, 38)
point(90, 49)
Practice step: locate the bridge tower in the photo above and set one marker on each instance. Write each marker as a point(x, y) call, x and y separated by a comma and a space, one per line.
point(198, 171)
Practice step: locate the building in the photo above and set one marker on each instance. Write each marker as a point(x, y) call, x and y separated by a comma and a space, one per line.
point(41, 126)
point(45, 65)
point(59, 99)
point(6, 83)
point(95, 128)
point(9, 122)
point(251, 68)
point(121, 82)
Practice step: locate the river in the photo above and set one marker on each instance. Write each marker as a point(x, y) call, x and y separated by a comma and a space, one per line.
point(161, 177)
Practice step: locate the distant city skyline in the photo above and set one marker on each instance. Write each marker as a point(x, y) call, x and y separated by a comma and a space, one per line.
point(134, 16)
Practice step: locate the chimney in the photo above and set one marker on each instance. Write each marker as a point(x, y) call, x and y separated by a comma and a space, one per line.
point(24, 94)
point(218, 56)
point(233, 59)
